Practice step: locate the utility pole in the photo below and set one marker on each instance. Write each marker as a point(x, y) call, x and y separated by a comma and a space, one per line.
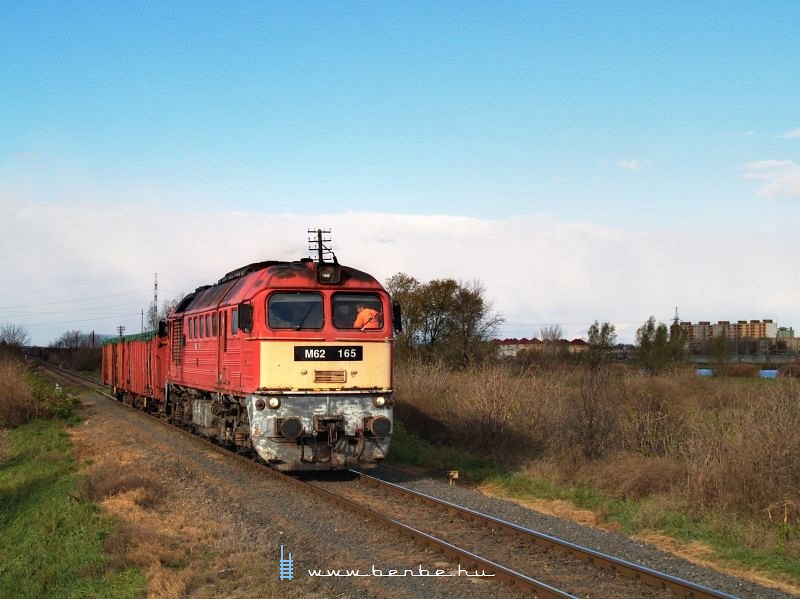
point(121, 330)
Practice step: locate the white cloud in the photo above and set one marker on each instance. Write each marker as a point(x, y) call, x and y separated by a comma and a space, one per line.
point(536, 269)
point(631, 165)
point(790, 134)
point(780, 178)
point(748, 133)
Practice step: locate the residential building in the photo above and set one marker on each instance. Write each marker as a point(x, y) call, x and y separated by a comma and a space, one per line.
point(704, 331)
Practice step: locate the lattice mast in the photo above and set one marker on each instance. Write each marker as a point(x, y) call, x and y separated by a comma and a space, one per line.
point(317, 240)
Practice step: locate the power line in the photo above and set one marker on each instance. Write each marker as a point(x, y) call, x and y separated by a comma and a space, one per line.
point(70, 310)
point(99, 317)
point(80, 299)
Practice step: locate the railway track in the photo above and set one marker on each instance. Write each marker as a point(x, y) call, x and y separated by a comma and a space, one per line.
point(530, 561)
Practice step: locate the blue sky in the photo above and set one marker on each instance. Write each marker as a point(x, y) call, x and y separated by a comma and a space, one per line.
point(651, 118)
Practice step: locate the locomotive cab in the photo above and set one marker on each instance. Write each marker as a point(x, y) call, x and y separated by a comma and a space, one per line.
point(325, 375)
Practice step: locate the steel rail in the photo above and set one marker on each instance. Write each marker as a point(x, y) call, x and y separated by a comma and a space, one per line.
point(679, 586)
point(515, 579)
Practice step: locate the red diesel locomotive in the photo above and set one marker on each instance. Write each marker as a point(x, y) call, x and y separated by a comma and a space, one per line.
point(290, 359)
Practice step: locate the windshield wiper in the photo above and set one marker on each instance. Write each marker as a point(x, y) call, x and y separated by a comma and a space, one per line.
point(302, 320)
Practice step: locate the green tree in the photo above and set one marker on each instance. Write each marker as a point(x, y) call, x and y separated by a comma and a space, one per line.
point(406, 291)
point(659, 346)
point(443, 318)
point(602, 338)
point(720, 351)
point(472, 324)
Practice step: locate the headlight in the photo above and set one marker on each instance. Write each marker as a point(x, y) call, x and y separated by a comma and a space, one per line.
point(328, 273)
point(377, 426)
point(291, 428)
point(260, 404)
point(274, 402)
point(379, 401)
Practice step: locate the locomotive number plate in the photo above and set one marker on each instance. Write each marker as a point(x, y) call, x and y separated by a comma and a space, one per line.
point(337, 353)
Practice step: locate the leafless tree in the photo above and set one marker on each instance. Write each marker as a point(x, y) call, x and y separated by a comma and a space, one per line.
point(550, 336)
point(153, 316)
point(14, 335)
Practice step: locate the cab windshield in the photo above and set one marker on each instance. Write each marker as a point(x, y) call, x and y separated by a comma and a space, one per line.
point(362, 311)
point(295, 310)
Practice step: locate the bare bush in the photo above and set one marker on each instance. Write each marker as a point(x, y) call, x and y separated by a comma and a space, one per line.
point(747, 458)
point(497, 408)
point(656, 414)
point(591, 419)
point(740, 370)
point(425, 392)
point(505, 409)
point(790, 371)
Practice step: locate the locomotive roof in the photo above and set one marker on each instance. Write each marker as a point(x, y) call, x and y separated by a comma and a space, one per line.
point(242, 283)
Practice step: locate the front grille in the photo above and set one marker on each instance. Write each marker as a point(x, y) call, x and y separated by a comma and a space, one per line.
point(330, 376)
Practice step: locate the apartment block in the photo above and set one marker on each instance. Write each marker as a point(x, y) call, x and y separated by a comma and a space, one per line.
point(743, 329)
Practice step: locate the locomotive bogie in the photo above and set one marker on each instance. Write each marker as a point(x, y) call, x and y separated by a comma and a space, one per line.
point(314, 430)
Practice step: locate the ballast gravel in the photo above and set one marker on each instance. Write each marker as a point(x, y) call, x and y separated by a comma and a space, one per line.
point(610, 543)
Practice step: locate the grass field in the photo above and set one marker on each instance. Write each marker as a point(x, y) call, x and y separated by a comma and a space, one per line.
point(51, 535)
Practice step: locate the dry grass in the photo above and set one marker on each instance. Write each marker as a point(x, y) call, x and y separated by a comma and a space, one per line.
point(107, 479)
point(17, 402)
point(723, 444)
point(176, 538)
point(746, 458)
point(790, 371)
point(741, 370)
point(634, 476)
point(493, 409)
